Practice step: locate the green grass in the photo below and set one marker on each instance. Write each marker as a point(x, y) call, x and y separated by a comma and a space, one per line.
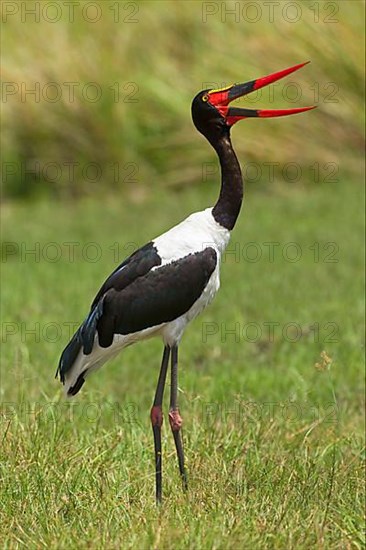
point(274, 446)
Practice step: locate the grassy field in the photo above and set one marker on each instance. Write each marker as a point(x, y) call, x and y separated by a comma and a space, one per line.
point(273, 432)
point(271, 375)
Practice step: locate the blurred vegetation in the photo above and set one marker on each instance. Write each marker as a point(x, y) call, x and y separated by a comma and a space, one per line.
point(146, 67)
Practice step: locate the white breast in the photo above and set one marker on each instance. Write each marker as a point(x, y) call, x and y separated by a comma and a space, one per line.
point(193, 234)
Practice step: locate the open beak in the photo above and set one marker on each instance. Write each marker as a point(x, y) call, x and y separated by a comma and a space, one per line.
point(223, 97)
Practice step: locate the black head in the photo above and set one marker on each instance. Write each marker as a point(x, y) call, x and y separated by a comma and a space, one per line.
point(213, 116)
point(207, 119)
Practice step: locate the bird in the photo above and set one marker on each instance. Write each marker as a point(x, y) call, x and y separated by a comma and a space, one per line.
point(164, 285)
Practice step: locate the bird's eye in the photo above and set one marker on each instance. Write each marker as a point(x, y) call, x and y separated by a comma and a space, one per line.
point(205, 97)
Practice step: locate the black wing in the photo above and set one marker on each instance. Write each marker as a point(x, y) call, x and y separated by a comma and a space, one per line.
point(139, 263)
point(136, 297)
point(158, 297)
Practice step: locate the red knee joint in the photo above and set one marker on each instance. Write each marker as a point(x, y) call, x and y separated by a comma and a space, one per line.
point(175, 420)
point(156, 415)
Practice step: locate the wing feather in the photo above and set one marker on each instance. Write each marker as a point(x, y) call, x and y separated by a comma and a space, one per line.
point(136, 296)
point(160, 296)
point(136, 265)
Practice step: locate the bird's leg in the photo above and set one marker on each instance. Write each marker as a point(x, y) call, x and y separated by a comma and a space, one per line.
point(156, 416)
point(175, 419)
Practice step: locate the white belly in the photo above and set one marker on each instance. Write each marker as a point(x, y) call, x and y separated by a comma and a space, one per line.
point(172, 332)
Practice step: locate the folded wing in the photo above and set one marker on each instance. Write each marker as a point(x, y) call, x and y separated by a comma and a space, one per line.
point(139, 294)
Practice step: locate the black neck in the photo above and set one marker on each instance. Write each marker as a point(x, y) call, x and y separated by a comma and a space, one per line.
point(228, 205)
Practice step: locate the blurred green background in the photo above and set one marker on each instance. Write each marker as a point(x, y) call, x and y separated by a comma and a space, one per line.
point(117, 91)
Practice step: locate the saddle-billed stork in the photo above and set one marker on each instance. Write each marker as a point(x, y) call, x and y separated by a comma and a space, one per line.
point(165, 284)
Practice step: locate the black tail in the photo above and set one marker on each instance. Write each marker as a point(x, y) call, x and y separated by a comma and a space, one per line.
point(69, 355)
point(83, 338)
